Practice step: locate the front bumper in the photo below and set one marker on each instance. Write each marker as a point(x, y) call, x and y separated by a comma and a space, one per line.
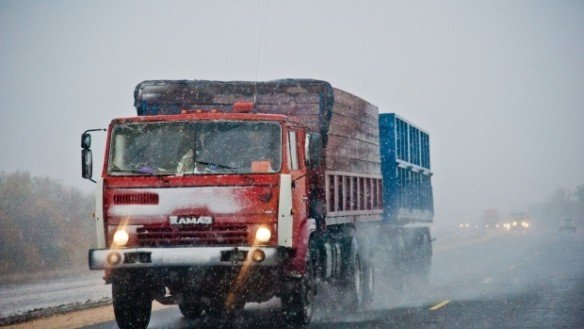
point(101, 259)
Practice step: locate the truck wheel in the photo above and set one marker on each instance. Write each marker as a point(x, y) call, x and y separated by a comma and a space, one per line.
point(132, 303)
point(397, 267)
point(419, 261)
point(191, 307)
point(223, 313)
point(355, 284)
point(424, 260)
point(298, 306)
point(368, 285)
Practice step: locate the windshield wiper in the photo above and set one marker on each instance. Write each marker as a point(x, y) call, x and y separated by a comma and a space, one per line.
point(232, 169)
point(137, 172)
point(141, 170)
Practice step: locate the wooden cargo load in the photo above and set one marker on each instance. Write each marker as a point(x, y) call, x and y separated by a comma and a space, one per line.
point(350, 186)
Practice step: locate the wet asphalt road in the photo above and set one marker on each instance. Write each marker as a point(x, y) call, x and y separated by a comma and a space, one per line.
point(532, 280)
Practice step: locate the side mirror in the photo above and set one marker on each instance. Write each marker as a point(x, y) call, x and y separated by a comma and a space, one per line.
point(85, 141)
point(86, 155)
point(313, 150)
point(86, 164)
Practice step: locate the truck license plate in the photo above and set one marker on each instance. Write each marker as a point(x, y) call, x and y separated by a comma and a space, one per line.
point(233, 256)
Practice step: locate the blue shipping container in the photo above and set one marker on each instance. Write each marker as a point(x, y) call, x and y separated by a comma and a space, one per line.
point(406, 171)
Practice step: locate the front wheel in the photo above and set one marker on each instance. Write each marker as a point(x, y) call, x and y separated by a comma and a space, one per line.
point(132, 303)
point(191, 307)
point(224, 306)
point(298, 305)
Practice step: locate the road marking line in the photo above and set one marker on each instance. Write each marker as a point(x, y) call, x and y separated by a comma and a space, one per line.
point(439, 305)
point(487, 280)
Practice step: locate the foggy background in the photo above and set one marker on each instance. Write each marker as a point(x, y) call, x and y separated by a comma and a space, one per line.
point(499, 85)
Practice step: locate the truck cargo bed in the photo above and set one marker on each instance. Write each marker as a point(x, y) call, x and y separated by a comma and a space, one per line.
point(349, 186)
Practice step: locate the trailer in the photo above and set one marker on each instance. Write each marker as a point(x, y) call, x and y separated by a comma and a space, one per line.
point(221, 193)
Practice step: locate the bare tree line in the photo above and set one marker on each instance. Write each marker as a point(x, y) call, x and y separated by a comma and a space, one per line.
point(45, 226)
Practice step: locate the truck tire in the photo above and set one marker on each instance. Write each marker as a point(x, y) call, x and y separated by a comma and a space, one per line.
point(425, 259)
point(368, 285)
point(367, 256)
point(222, 312)
point(298, 305)
point(190, 307)
point(419, 259)
point(355, 284)
point(132, 303)
point(396, 269)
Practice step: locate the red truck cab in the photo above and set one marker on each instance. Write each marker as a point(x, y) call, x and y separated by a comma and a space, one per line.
point(202, 195)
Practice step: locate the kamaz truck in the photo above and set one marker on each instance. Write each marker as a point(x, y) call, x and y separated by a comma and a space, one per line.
point(221, 193)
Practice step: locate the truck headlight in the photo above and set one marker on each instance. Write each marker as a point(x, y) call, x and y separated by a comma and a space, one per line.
point(121, 237)
point(263, 234)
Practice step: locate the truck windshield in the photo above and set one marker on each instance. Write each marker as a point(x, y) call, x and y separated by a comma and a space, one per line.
point(187, 148)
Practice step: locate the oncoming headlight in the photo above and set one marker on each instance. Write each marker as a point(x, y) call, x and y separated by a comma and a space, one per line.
point(121, 237)
point(263, 234)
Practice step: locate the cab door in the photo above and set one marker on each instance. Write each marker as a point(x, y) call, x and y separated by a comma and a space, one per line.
point(296, 165)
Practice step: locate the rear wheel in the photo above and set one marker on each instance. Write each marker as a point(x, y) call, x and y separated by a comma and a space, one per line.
point(368, 285)
point(424, 259)
point(418, 260)
point(132, 302)
point(355, 284)
point(353, 280)
point(397, 267)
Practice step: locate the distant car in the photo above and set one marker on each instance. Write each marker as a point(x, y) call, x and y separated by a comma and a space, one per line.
point(517, 226)
point(464, 225)
point(568, 225)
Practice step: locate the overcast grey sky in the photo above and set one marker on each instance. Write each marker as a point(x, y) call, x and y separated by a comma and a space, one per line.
point(498, 84)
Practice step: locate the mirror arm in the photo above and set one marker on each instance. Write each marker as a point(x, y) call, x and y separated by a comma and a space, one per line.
point(90, 130)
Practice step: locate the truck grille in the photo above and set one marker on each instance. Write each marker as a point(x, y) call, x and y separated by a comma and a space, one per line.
point(192, 235)
point(135, 198)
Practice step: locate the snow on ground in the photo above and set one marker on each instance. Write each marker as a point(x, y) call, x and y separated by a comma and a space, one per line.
point(21, 298)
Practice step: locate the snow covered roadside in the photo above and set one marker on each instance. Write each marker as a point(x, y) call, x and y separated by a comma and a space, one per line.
point(24, 302)
point(50, 311)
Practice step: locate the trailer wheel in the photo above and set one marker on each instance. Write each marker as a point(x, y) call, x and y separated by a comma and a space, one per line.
point(397, 267)
point(298, 305)
point(419, 260)
point(425, 259)
point(132, 303)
